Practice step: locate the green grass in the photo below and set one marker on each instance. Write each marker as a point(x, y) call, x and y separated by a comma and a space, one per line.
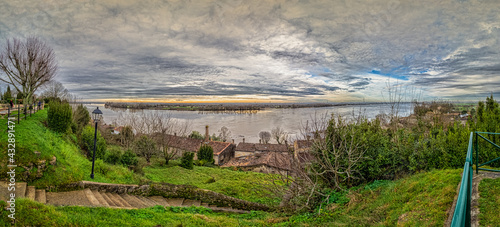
point(419, 200)
point(72, 165)
point(31, 135)
point(30, 213)
point(489, 202)
point(243, 185)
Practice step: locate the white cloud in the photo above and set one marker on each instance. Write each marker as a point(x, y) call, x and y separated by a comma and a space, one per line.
point(281, 49)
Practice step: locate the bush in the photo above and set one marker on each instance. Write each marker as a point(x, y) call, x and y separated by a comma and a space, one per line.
point(87, 143)
point(81, 118)
point(59, 117)
point(138, 168)
point(129, 158)
point(146, 147)
point(113, 156)
point(187, 160)
point(206, 153)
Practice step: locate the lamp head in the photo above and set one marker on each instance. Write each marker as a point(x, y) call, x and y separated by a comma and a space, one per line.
point(96, 114)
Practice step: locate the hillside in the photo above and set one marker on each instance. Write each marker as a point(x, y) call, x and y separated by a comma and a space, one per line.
point(420, 199)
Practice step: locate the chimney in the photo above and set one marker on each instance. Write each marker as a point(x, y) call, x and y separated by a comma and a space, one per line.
point(175, 133)
point(243, 140)
point(207, 135)
point(260, 140)
point(233, 141)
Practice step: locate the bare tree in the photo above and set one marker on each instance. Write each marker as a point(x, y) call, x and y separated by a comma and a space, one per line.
point(224, 133)
point(54, 89)
point(158, 126)
point(279, 134)
point(27, 65)
point(127, 136)
point(265, 136)
point(146, 147)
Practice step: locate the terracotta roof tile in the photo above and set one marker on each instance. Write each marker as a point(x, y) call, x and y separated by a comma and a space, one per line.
point(193, 145)
point(272, 159)
point(252, 147)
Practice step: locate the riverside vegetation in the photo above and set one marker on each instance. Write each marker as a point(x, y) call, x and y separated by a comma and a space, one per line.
point(392, 173)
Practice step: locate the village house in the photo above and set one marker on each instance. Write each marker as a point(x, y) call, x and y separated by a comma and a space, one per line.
point(247, 149)
point(223, 151)
point(117, 130)
point(267, 162)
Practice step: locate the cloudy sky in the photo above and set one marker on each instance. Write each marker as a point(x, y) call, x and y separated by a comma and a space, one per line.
point(270, 51)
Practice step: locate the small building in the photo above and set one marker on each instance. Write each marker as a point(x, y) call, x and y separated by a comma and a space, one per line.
point(223, 151)
point(117, 130)
point(268, 162)
point(247, 149)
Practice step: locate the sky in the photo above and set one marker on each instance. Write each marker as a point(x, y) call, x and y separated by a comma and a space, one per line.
point(266, 51)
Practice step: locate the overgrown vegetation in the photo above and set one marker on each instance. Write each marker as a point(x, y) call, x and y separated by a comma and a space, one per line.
point(59, 116)
point(350, 153)
point(420, 200)
point(87, 143)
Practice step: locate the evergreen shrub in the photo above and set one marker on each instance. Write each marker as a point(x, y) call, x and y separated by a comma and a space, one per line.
point(59, 117)
point(187, 160)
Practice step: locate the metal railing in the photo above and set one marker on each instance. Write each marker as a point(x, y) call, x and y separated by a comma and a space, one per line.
point(462, 214)
point(25, 111)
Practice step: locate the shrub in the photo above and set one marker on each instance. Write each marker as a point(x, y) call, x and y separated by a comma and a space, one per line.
point(127, 136)
point(206, 153)
point(187, 160)
point(81, 118)
point(87, 143)
point(138, 168)
point(129, 158)
point(146, 147)
point(59, 117)
point(113, 156)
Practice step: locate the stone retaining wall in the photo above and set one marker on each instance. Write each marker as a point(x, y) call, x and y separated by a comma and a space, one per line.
point(168, 191)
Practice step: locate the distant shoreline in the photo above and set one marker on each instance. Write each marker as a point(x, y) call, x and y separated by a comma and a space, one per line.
point(228, 106)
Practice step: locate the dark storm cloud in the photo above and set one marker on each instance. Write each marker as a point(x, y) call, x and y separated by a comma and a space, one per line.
point(330, 49)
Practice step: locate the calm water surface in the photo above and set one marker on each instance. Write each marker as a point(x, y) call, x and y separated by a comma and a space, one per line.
point(248, 126)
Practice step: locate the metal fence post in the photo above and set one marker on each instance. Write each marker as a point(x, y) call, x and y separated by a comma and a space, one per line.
point(18, 113)
point(477, 154)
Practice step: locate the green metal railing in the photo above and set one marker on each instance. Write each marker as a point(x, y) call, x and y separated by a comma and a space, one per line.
point(461, 216)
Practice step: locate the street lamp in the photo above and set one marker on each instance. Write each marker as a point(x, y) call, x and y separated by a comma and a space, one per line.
point(96, 114)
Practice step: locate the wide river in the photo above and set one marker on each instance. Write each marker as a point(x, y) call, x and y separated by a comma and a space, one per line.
point(248, 126)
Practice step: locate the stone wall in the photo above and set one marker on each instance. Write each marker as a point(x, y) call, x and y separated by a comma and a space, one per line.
point(168, 191)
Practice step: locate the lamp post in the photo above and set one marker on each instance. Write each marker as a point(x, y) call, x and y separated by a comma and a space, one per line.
point(96, 114)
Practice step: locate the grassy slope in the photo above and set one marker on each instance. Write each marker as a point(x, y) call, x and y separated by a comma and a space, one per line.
point(489, 202)
point(32, 135)
point(243, 185)
point(31, 213)
point(419, 200)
